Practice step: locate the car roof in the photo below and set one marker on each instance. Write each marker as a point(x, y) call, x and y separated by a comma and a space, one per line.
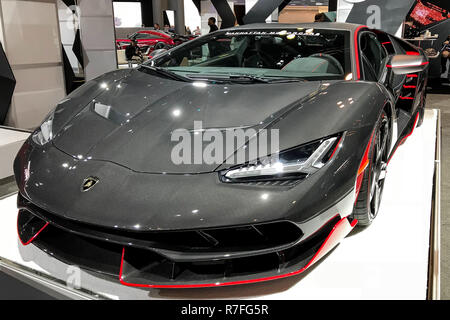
point(316, 25)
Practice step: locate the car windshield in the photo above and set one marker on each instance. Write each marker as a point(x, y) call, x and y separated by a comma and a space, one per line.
point(310, 54)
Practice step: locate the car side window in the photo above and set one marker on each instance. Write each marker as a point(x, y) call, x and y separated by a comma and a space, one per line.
point(146, 36)
point(369, 72)
point(373, 55)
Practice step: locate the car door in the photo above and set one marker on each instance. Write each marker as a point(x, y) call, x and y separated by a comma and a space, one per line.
point(146, 39)
point(407, 89)
point(413, 86)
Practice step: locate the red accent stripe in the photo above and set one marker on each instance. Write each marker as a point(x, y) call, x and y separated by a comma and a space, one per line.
point(406, 98)
point(335, 148)
point(404, 138)
point(412, 53)
point(409, 87)
point(362, 167)
point(365, 158)
point(340, 230)
point(358, 72)
point(33, 238)
point(411, 75)
point(387, 42)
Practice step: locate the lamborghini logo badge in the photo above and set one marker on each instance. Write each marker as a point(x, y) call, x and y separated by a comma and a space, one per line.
point(89, 183)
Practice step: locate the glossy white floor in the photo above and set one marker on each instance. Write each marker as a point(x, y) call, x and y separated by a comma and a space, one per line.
point(388, 260)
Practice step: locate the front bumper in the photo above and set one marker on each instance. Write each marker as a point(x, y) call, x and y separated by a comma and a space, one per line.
point(155, 264)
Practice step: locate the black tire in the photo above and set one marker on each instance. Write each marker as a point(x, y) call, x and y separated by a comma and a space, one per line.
point(421, 115)
point(369, 198)
point(160, 45)
point(422, 110)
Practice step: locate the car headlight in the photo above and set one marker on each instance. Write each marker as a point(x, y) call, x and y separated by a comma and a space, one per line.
point(294, 163)
point(44, 133)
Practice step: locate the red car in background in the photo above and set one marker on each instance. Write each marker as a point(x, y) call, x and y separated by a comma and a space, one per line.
point(146, 40)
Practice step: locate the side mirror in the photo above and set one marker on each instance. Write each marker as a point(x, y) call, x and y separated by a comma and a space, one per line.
point(404, 63)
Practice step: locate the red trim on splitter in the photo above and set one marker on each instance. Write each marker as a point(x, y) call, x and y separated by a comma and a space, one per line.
point(356, 45)
point(409, 87)
point(411, 75)
point(340, 231)
point(404, 138)
point(32, 238)
point(406, 98)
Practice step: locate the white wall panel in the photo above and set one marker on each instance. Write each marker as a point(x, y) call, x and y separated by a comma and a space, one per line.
point(38, 105)
point(97, 33)
point(33, 47)
point(38, 78)
point(31, 32)
point(33, 97)
point(97, 36)
point(104, 62)
point(95, 7)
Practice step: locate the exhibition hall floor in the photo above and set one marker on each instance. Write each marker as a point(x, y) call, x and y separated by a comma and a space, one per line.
point(388, 260)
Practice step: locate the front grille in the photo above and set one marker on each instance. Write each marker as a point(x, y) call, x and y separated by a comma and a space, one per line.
point(99, 256)
point(255, 238)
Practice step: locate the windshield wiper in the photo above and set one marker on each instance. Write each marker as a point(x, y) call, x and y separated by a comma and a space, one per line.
point(166, 73)
point(243, 78)
point(246, 77)
point(232, 77)
point(284, 79)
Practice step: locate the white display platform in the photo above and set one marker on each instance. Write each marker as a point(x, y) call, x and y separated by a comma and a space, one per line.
point(388, 260)
point(10, 142)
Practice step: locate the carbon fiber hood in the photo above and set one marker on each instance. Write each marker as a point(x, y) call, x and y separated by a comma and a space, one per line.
point(131, 120)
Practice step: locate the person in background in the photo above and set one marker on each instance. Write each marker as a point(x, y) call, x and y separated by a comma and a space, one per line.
point(212, 24)
point(157, 26)
point(213, 46)
point(410, 29)
point(197, 31)
point(319, 17)
point(133, 52)
point(188, 31)
point(445, 54)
